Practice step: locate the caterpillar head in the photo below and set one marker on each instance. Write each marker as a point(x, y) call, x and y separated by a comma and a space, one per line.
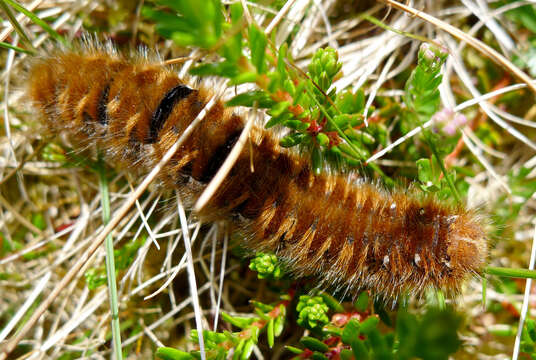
point(466, 244)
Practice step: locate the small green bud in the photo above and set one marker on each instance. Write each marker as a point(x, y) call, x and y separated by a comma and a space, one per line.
point(267, 266)
point(312, 311)
point(432, 56)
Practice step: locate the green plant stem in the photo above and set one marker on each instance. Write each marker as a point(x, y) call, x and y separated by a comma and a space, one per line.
point(510, 272)
point(110, 265)
point(334, 124)
point(377, 22)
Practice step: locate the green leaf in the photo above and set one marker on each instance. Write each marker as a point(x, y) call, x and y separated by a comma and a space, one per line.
point(349, 103)
point(347, 354)
point(362, 301)
point(224, 69)
point(318, 356)
point(331, 302)
point(256, 98)
point(316, 160)
point(296, 125)
point(425, 173)
point(354, 151)
point(278, 108)
point(531, 328)
point(281, 65)
point(277, 120)
point(280, 321)
point(167, 353)
point(261, 306)
point(292, 140)
point(294, 350)
point(257, 45)
point(240, 322)
point(434, 336)
point(313, 344)
point(239, 349)
point(166, 23)
point(246, 77)
point(438, 336)
point(342, 121)
point(351, 331)
point(406, 332)
point(204, 22)
point(322, 139)
point(255, 333)
point(369, 324)
point(248, 349)
point(237, 12)
point(301, 97)
point(270, 334)
point(359, 349)
point(379, 345)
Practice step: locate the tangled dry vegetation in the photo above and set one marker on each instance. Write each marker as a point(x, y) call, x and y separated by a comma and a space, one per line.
point(51, 208)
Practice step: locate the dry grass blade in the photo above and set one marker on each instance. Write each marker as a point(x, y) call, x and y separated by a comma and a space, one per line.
point(475, 43)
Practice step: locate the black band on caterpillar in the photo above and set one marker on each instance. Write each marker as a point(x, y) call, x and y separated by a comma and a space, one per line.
point(353, 235)
point(163, 110)
point(102, 117)
point(219, 156)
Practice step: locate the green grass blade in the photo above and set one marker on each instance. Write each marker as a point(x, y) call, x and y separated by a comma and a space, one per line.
point(377, 22)
point(16, 25)
point(510, 272)
point(16, 48)
point(110, 265)
point(36, 20)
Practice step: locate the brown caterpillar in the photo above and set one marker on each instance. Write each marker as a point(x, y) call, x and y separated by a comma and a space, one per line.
point(353, 235)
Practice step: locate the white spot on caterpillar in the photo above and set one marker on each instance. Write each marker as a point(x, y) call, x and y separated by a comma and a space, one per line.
point(451, 219)
point(386, 260)
point(393, 206)
point(417, 259)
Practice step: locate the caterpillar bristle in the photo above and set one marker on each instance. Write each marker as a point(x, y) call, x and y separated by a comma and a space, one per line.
point(352, 235)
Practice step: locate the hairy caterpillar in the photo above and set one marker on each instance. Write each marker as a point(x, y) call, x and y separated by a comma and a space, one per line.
point(353, 235)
